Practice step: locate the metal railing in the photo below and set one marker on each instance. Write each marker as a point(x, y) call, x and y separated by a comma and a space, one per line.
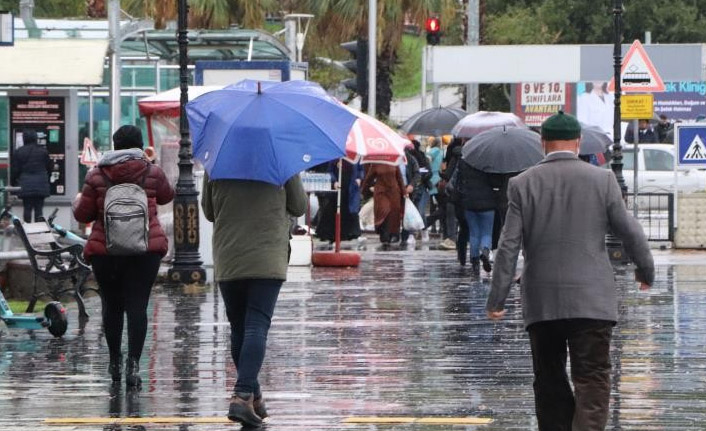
point(655, 211)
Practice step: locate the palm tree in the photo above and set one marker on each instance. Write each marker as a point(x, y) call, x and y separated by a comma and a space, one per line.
point(160, 11)
point(96, 9)
point(204, 13)
point(344, 19)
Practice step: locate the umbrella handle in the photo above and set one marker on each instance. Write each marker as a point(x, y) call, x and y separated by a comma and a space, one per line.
point(338, 207)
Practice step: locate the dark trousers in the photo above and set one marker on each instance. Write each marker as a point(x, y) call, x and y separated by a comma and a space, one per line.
point(30, 204)
point(450, 226)
point(125, 284)
point(463, 234)
point(249, 307)
point(588, 342)
point(436, 212)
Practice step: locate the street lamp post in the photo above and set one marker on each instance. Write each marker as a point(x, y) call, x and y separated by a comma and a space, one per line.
point(187, 266)
point(615, 247)
point(617, 164)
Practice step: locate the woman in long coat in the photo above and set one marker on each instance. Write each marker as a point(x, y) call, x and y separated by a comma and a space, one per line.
point(350, 203)
point(388, 193)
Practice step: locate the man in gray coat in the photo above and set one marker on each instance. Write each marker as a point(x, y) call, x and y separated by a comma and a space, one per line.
point(559, 214)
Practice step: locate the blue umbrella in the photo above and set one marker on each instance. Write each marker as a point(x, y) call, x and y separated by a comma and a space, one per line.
point(267, 131)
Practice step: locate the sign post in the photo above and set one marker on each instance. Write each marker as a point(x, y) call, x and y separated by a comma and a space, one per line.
point(690, 152)
point(636, 107)
point(638, 75)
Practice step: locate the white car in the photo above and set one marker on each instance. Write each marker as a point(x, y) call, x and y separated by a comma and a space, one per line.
point(656, 170)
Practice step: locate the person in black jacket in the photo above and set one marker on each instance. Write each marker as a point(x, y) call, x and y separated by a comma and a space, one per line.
point(30, 170)
point(454, 207)
point(646, 134)
point(413, 184)
point(662, 128)
point(479, 201)
point(421, 196)
point(453, 155)
point(500, 184)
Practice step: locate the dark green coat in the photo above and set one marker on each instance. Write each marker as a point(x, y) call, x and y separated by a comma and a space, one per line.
point(251, 226)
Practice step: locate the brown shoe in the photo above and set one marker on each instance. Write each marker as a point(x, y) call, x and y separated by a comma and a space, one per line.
point(259, 407)
point(242, 410)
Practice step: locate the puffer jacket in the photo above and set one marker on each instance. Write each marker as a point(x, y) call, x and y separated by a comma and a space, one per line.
point(30, 170)
point(122, 166)
point(474, 188)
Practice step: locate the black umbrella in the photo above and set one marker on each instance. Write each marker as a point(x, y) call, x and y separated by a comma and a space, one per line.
point(503, 150)
point(433, 122)
point(594, 140)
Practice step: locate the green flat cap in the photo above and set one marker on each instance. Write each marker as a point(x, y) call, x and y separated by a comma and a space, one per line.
point(561, 127)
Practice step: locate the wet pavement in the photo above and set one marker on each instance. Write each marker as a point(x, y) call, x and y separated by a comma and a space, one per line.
point(404, 335)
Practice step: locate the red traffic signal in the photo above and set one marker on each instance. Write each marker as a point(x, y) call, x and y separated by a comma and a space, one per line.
point(433, 25)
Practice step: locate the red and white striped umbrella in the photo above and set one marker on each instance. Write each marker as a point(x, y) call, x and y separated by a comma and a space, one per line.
point(372, 141)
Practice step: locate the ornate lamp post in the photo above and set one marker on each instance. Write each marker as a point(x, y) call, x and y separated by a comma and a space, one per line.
point(615, 247)
point(617, 164)
point(186, 267)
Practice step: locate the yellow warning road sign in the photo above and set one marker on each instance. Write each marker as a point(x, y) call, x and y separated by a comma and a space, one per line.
point(637, 106)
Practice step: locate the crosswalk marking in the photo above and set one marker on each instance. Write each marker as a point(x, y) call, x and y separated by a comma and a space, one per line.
point(418, 420)
point(361, 420)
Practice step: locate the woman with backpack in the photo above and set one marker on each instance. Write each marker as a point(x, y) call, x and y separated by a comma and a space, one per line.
point(127, 243)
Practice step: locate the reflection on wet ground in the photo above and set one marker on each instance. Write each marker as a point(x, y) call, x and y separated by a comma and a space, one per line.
point(404, 335)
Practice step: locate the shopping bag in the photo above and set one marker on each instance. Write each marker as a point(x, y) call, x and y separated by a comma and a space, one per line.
point(367, 216)
point(412, 219)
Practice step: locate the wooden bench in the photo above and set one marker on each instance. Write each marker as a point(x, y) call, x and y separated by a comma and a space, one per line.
point(54, 263)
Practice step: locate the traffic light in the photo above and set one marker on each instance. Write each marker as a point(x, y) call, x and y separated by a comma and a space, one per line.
point(358, 65)
point(433, 27)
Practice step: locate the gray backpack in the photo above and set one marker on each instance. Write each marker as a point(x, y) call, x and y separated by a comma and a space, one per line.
point(126, 218)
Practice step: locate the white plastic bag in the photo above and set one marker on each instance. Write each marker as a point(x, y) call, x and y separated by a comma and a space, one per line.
point(367, 216)
point(412, 219)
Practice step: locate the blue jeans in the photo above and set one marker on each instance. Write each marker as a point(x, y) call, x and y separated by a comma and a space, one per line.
point(249, 307)
point(421, 204)
point(480, 225)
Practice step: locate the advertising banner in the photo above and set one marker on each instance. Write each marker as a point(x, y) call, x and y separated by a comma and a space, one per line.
point(537, 101)
point(682, 100)
point(595, 105)
point(46, 116)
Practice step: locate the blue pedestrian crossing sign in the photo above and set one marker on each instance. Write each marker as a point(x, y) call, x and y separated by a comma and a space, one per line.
point(690, 140)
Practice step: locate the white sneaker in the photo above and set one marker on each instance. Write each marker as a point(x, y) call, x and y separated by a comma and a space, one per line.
point(425, 235)
point(447, 244)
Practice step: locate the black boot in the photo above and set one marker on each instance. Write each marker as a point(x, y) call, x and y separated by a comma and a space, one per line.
point(461, 250)
point(242, 410)
point(485, 258)
point(115, 367)
point(132, 373)
point(259, 406)
point(475, 265)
